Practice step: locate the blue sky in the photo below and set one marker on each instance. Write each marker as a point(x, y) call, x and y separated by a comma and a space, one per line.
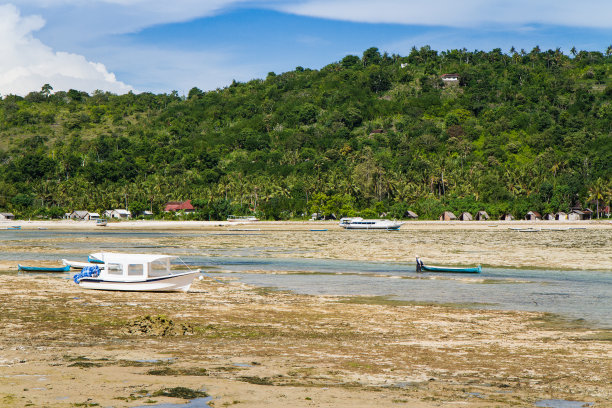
point(160, 46)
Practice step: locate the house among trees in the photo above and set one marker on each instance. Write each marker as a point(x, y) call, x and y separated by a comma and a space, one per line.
point(465, 216)
point(482, 216)
point(507, 217)
point(118, 213)
point(533, 216)
point(7, 216)
point(410, 214)
point(549, 217)
point(450, 78)
point(179, 206)
point(447, 216)
point(561, 216)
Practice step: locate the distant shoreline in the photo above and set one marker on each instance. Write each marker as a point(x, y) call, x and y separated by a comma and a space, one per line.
point(298, 225)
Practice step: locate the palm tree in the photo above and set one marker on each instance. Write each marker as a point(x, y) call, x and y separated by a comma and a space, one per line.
point(597, 192)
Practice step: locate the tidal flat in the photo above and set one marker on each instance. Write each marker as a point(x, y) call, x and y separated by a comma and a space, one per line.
point(62, 346)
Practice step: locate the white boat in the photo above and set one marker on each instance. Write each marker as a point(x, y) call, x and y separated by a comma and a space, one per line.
point(77, 264)
point(360, 223)
point(101, 222)
point(242, 218)
point(135, 272)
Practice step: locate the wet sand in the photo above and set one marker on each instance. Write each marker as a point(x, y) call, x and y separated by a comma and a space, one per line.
point(61, 346)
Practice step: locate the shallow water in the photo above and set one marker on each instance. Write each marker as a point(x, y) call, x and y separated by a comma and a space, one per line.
point(574, 294)
point(562, 404)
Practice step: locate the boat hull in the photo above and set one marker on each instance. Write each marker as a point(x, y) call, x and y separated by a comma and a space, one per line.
point(43, 268)
point(372, 227)
point(172, 283)
point(426, 268)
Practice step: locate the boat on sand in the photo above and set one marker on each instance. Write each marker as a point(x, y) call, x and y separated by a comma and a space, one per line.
point(360, 223)
point(24, 268)
point(134, 272)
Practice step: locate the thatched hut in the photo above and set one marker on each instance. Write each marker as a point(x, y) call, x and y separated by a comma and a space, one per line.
point(482, 216)
point(447, 216)
point(465, 216)
point(533, 216)
point(507, 217)
point(410, 214)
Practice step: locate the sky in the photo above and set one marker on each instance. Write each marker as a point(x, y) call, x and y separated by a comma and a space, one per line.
point(162, 46)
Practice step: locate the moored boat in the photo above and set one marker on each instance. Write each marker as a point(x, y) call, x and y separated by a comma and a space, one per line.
point(360, 223)
point(101, 222)
point(134, 272)
point(421, 267)
point(242, 218)
point(76, 264)
point(24, 268)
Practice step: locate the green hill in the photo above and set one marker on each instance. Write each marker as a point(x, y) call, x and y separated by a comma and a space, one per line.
point(365, 135)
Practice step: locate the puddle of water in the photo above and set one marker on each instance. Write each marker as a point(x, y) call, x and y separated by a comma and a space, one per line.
point(242, 365)
point(156, 360)
point(556, 403)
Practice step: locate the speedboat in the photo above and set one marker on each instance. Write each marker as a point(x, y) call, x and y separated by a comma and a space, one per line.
point(360, 223)
point(134, 272)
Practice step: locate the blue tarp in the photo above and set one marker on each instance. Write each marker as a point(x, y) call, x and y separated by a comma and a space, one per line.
point(87, 272)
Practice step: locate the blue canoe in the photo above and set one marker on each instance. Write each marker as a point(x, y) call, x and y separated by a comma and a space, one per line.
point(476, 269)
point(14, 227)
point(43, 268)
point(421, 267)
point(91, 259)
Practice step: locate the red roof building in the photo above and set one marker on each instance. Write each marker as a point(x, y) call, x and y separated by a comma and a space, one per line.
point(179, 206)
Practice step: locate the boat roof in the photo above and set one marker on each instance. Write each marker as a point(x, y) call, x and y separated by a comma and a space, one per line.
point(115, 257)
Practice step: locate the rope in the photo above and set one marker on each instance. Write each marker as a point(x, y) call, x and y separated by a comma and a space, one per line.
point(208, 276)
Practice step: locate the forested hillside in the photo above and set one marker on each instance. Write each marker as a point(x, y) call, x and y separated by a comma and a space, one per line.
point(366, 135)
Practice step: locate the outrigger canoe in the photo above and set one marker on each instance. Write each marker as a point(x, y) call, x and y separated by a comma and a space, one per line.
point(43, 268)
point(421, 267)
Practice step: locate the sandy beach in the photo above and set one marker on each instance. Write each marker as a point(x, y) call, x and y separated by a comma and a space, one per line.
point(62, 346)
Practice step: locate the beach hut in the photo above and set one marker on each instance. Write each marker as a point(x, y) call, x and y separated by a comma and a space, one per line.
point(7, 216)
point(575, 215)
point(447, 216)
point(561, 216)
point(410, 214)
point(588, 214)
point(482, 216)
point(507, 217)
point(549, 217)
point(465, 216)
point(79, 215)
point(533, 216)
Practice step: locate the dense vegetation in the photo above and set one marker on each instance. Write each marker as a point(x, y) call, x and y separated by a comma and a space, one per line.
point(365, 135)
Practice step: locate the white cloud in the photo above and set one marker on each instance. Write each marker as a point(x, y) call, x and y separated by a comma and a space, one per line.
point(27, 64)
point(467, 13)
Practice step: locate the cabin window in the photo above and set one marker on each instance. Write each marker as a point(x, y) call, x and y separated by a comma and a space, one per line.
point(135, 270)
point(114, 269)
point(158, 268)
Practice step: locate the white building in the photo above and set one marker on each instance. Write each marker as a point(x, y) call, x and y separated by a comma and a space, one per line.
point(118, 213)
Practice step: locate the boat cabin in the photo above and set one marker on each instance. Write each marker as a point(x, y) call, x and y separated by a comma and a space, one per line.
point(133, 267)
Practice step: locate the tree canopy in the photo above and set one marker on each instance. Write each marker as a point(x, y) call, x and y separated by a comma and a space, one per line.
point(373, 134)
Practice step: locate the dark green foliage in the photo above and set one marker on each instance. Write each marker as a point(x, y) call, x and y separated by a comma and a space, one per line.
point(380, 134)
